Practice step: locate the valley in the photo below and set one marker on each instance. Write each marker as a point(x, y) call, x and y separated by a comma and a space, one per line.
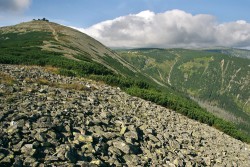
point(215, 79)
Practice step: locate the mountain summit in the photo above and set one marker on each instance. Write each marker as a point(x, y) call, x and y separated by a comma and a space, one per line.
point(71, 43)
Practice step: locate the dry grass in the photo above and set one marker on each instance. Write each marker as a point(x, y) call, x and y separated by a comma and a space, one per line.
point(29, 80)
point(51, 69)
point(43, 81)
point(6, 79)
point(73, 86)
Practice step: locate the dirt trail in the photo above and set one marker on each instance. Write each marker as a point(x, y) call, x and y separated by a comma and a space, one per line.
point(55, 36)
point(53, 32)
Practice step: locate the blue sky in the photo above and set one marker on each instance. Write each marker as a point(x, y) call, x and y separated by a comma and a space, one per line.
point(85, 13)
point(88, 16)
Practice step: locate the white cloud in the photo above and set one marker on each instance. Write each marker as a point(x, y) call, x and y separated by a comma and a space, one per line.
point(173, 28)
point(14, 5)
point(11, 11)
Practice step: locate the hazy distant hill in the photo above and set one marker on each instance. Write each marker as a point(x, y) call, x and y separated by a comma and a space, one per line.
point(232, 51)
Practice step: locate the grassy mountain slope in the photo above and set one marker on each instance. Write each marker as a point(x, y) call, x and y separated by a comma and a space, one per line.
point(76, 54)
point(69, 43)
point(219, 82)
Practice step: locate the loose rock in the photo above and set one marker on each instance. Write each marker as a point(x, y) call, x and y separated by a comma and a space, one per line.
point(52, 125)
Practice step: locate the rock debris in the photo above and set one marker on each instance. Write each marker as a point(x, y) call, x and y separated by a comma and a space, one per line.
point(46, 120)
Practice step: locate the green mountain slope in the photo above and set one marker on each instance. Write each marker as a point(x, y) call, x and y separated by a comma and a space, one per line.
point(146, 73)
point(69, 43)
point(219, 82)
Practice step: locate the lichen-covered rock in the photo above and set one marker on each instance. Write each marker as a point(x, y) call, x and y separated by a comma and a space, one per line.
point(131, 137)
point(124, 147)
point(85, 139)
point(54, 124)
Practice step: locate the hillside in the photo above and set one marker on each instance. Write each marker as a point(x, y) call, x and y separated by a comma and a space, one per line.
point(75, 54)
point(218, 82)
point(51, 120)
point(65, 41)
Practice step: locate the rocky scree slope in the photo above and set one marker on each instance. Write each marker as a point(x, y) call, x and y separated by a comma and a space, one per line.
point(47, 119)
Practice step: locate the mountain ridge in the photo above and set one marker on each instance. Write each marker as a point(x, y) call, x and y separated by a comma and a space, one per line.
point(64, 48)
point(76, 43)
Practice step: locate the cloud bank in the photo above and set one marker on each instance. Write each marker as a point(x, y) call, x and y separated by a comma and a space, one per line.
point(14, 5)
point(173, 28)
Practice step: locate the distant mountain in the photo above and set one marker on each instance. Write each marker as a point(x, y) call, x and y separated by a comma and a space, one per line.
point(231, 51)
point(218, 80)
point(169, 77)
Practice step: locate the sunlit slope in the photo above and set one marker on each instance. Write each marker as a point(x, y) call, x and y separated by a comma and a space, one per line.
point(70, 43)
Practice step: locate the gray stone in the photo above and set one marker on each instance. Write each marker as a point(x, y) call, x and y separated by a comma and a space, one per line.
point(27, 149)
point(85, 138)
point(12, 129)
point(87, 148)
point(122, 146)
point(131, 136)
point(7, 159)
point(46, 125)
point(51, 158)
point(40, 137)
point(17, 147)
